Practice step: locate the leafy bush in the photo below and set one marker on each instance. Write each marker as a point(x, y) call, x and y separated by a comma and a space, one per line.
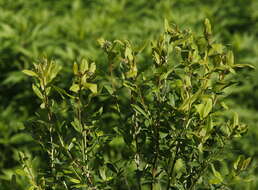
point(164, 126)
point(67, 30)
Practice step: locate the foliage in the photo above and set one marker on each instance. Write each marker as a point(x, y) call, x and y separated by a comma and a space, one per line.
point(67, 30)
point(169, 118)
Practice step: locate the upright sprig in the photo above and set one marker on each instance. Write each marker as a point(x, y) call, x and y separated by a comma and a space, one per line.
point(83, 72)
point(45, 71)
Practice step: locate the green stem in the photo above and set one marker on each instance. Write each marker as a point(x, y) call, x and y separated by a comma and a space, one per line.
point(173, 166)
point(50, 126)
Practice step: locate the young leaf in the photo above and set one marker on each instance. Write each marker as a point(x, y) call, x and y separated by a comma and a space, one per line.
point(84, 66)
point(92, 87)
point(73, 180)
point(92, 67)
point(37, 91)
point(140, 110)
point(30, 73)
point(75, 88)
point(75, 68)
point(207, 28)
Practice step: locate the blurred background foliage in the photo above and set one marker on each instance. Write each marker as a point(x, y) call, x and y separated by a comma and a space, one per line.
point(67, 30)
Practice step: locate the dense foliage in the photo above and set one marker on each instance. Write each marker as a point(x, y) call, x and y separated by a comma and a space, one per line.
point(68, 30)
point(169, 118)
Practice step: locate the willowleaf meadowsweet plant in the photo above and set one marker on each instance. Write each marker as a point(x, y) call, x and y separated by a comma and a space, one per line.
point(162, 127)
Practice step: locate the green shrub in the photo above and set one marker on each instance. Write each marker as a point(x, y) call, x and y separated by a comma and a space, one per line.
point(160, 126)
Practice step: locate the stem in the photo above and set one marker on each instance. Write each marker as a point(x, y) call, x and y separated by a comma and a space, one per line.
point(136, 131)
point(173, 166)
point(50, 126)
point(84, 146)
point(156, 137)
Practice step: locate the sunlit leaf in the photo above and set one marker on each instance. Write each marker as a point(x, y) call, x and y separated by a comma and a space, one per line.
point(30, 73)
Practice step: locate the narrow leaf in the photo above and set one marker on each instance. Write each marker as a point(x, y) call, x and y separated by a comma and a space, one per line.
point(37, 91)
point(29, 73)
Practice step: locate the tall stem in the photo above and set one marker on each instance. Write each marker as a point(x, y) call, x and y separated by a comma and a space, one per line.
point(50, 126)
point(173, 166)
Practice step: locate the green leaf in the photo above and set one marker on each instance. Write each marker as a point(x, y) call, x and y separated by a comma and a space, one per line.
point(20, 172)
point(30, 73)
point(75, 68)
point(92, 87)
point(238, 163)
point(224, 105)
point(61, 92)
point(246, 163)
point(92, 67)
point(73, 180)
point(109, 89)
point(189, 101)
point(207, 28)
point(243, 66)
point(20, 138)
point(216, 49)
point(101, 42)
point(37, 91)
point(205, 108)
point(179, 165)
point(102, 173)
point(84, 66)
point(77, 125)
point(75, 88)
point(218, 177)
point(54, 70)
point(230, 58)
point(235, 120)
point(112, 167)
point(129, 53)
point(166, 25)
point(139, 110)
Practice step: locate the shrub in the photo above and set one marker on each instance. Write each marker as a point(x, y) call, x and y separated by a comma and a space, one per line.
point(155, 127)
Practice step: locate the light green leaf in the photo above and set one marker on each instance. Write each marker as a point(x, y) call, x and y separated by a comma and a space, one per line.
point(218, 177)
point(54, 70)
point(102, 173)
point(75, 88)
point(128, 53)
point(224, 105)
point(246, 163)
point(207, 27)
point(75, 68)
point(235, 120)
point(73, 180)
point(77, 125)
point(30, 73)
point(243, 65)
point(139, 110)
point(92, 67)
point(216, 49)
point(84, 66)
point(166, 25)
point(238, 163)
point(230, 58)
point(61, 92)
point(205, 108)
point(92, 87)
point(189, 101)
point(37, 91)
point(20, 172)
point(101, 42)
